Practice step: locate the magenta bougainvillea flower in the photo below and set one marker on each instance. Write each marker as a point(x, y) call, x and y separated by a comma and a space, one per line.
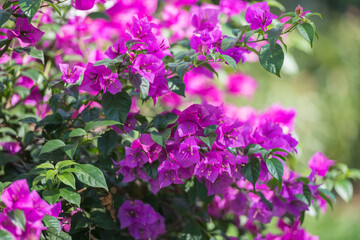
point(11, 147)
point(26, 33)
point(70, 76)
point(83, 4)
point(233, 7)
point(205, 17)
point(259, 16)
point(97, 78)
point(17, 197)
point(300, 11)
point(148, 66)
point(117, 49)
point(320, 164)
point(141, 219)
point(290, 231)
point(241, 84)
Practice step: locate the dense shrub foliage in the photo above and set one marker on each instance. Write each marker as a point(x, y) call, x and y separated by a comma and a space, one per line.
point(114, 123)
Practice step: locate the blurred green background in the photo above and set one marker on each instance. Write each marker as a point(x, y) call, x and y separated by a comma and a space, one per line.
point(323, 84)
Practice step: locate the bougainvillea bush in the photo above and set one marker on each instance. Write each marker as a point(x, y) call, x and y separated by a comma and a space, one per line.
point(114, 123)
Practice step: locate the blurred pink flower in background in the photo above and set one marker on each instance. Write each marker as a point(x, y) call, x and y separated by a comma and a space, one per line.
point(241, 84)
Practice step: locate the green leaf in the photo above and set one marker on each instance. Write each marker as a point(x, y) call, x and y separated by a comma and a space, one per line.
point(98, 15)
point(181, 68)
point(288, 14)
point(264, 200)
point(202, 192)
point(91, 176)
point(252, 149)
point(5, 15)
point(60, 165)
point(140, 84)
point(100, 123)
point(307, 31)
point(54, 235)
point(17, 217)
point(102, 220)
point(116, 107)
point(248, 35)
point(5, 235)
point(278, 150)
point(328, 193)
point(79, 221)
point(52, 145)
point(275, 167)
point(313, 14)
point(45, 165)
point(232, 150)
point(8, 130)
point(229, 60)
point(353, 173)
point(7, 158)
point(307, 193)
point(191, 231)
point(71, 196)
point(54, 102)
point(78, 132)
point(171, 117)
point(70, 150)
point(176, 85)
point(273, 35)
point(51, 196)
point(208, 66)
point(50, 174)
point(160, 122)
point(161, 138)
point(33, 52)
point(345, 189)
point(274, 3)
point(272, 58)
point(251, 171)
point(107, 142)
point(152, 169)
point(302, 198)
point(209, 140)
point(54, 6)
point(210, 129)
point(53, 222)
point(29, 7)
point(133, 42)
point(68, 179)
point(228, 43)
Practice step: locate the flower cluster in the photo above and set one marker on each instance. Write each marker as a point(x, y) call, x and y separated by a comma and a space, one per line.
point(16, 198)
point(189, 154)
point(208, 36)
point(141, 220)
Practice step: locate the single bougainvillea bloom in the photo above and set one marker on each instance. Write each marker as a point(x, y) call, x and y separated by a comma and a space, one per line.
point(141, 219)
point(300, 12)
point(26, 33)
point(83, 4)
point(97, 78)
point(259, 16)
point(148, 66)
point(118, 48)
point(11, 147)
point(320, 163)
point(70, 76)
